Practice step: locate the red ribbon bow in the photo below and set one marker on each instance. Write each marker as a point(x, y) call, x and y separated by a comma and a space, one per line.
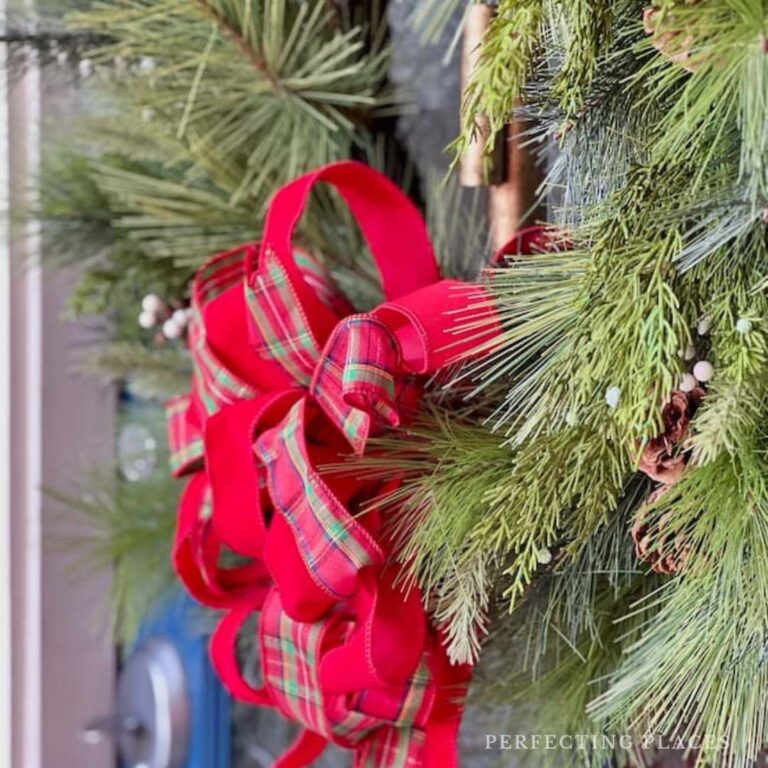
point(286, 379)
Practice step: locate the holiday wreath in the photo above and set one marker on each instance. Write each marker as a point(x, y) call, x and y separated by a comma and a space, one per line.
point(554, 473)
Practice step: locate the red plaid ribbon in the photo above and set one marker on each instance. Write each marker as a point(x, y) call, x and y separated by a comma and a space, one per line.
point(285, 380)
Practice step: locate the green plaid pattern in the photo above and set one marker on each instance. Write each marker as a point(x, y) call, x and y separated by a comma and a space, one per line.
point(184, 439)
point(333, 545)
point(291, 651)
point(213, 386)
point(393, 748)
point(282, 325)
point(355, 377)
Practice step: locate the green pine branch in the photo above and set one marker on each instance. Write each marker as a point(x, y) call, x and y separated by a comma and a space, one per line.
point(131, 529)
point(276, 87)
point(724, 100)
point(699, 666)
point(158, 372)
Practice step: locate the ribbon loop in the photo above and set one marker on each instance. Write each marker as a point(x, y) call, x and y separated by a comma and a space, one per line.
point(224, 657)
point(387, 642)
point(390, 222)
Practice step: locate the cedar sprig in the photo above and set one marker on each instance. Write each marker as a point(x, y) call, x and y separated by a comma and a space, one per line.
point(497, 82)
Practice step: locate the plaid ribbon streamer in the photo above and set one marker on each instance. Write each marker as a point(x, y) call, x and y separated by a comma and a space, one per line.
point(213, 385)
point(334, 546)
point(290, 651)
point(282, 327)
point(184, 437)
point(393, 747)
point(389, 731)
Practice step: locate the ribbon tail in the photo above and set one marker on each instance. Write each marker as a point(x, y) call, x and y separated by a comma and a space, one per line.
point(441, 749)
point(224, 658)
point(303, 752)
point(391, 747)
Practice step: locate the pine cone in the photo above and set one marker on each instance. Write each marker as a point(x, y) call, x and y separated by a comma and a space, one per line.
point(673, 43)
point(670, 552)
point(662, 459)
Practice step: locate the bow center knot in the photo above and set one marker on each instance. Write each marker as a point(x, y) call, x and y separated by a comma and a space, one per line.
point(356, 380)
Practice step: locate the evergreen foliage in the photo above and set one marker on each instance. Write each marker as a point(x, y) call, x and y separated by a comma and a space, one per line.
point(660, 183)
point(130, 528)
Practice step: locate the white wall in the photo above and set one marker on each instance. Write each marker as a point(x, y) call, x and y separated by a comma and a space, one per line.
point(61, 659)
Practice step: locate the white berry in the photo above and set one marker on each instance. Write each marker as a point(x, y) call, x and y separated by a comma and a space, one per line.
point(703, 371)
point(171, 329)
point(153, 303)
point(612, 396)
point(571, 419)
point(147, 319)
point(147, 64)
point(703, 326)
point(180, 317)
point(147, 114)
point(687, 383)
point(743, 325)
point(85, 67)
point(544, 556)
